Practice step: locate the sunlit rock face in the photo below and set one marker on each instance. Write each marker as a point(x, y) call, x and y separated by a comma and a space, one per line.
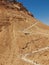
point(24, 40)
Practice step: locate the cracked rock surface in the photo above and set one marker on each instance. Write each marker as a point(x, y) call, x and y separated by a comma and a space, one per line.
point(24, 40)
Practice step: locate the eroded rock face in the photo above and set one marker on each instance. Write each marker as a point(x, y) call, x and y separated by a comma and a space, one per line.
point(23, 39)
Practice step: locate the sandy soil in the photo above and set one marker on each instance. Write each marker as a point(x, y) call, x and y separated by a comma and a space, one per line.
point(23, 39)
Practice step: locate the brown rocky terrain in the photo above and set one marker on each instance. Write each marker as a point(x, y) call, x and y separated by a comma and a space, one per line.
point(24, 40)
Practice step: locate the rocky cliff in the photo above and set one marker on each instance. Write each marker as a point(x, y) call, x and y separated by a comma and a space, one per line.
point(24, 40)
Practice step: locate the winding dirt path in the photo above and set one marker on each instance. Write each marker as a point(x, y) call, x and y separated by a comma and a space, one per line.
point(31, 61)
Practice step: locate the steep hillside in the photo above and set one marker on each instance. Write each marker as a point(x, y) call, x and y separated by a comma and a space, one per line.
point(24, 40)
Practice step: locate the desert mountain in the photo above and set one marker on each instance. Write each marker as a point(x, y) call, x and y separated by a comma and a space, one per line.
point(24, 40)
